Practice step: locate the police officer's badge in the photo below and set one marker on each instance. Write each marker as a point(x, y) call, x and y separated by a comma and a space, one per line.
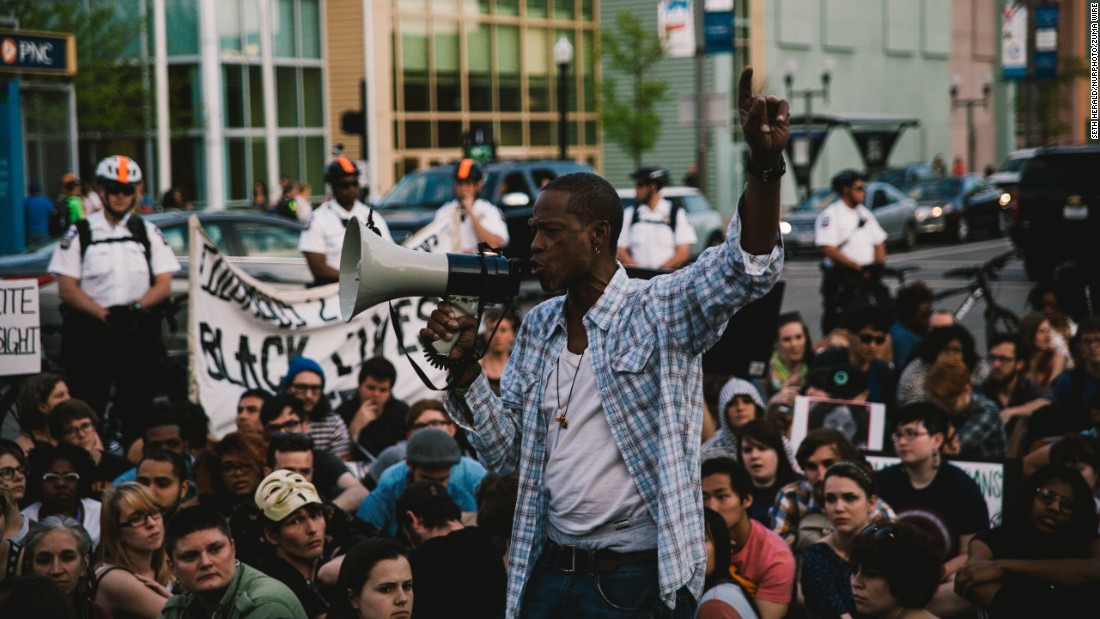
point(824, 221)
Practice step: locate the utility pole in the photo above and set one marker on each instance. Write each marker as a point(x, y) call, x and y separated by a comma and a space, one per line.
point(808, 94)
point(969, 104)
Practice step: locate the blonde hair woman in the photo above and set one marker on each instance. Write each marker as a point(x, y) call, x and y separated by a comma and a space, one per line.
point(131, 566)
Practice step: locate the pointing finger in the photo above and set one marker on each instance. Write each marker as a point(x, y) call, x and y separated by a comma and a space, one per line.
point(744, 86)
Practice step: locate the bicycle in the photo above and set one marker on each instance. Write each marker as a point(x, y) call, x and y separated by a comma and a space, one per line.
point(998, 318)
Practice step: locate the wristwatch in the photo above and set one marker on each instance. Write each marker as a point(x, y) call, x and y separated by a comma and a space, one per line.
point(767, 175)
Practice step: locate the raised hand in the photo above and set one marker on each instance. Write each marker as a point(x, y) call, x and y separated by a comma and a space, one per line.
point(765, 121)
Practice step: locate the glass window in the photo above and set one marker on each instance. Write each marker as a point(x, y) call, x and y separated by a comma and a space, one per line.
point(263, 240)
point(282, 26)
point(511, 133)
point(313, 98)
point(229, 25)
point(236, 169)
point(187, 170)
point(479, 51)
point(288, 158)
point(510, 96)
point(450, 134)
point(446, 60)
point(233, 95)
point(695, 204)
point(252, 34)
point(536, 8)
point(586, 57)
point(286, 89)
point(542, 133)
point(183, 95)
point(259, 162)
point(310, 17)
point(536, 63)
point(564, 9)
point(507, 7)
point(255, 97)
point(183, 38)
point(418, 134)
point(315, 162)
point(216, 234)
point(176, 238)
point(414, 62)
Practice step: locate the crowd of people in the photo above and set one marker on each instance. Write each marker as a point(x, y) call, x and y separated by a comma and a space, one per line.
point(585, 466)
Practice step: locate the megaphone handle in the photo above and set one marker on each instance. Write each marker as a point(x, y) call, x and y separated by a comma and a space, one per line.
point(462, 306)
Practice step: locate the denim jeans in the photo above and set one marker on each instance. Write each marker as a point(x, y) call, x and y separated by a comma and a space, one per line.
point(629, 591)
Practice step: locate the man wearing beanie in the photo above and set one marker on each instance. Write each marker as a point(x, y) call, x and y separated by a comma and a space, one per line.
point(431, 455)
point(293, 523)
point(305, 380)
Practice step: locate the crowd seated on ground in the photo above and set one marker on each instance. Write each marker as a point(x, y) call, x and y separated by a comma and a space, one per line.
point(801, 524)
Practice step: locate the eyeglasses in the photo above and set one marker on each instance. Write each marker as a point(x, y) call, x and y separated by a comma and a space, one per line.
point(907, 434)
point(289, 427)
point(437, 423)
point(1001, 359)
point(877, 532)
point(67, 477)
point(87, 426)
point(115, 187)
point(300, 388)
point(140, 518)
point(230, 467)
point(867, 338)
point(1047, 497)
point(8, 472)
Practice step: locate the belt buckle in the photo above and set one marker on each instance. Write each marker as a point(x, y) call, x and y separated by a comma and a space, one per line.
point(572, 559)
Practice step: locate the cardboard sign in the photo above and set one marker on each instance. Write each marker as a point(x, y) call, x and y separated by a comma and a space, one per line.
point(20, 320)
point(863, 423)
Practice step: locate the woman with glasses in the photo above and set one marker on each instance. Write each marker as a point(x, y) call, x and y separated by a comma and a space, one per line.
point(38, 397)
point(227, 476)
point(59, 549)
point(59, 484)
point(850, 500)
point(131, 567)
point(13, 479)
point(1045, 559)
point(938, 496)
point(896, 570)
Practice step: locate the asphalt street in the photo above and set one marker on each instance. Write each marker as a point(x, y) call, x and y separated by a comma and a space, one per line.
point(803, 278)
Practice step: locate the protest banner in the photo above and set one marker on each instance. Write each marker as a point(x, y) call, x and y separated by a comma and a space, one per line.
point(20, 321)
point(242, 332)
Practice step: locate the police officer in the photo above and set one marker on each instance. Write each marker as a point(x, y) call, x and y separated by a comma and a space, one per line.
point(473, 220)
point(655, 234)
point(323, 237)
point(114, 271)
point(854, 245)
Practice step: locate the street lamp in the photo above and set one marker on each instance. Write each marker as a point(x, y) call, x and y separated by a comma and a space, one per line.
point(956, 102)
point(563, 55)
point(802, 160)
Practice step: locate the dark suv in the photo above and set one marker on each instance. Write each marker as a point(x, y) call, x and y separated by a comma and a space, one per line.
point(511, 185)
point(1056, 210)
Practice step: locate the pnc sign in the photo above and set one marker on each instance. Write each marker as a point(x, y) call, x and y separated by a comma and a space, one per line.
point(27, 51)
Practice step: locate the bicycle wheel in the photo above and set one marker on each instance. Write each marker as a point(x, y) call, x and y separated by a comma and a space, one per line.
point(1000, 320)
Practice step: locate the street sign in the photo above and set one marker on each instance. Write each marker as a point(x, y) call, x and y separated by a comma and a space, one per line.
point(27, 51)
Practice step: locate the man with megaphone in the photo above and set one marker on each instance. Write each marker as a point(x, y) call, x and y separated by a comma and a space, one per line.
point(601, 403)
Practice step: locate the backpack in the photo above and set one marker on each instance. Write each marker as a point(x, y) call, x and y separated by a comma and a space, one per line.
point(136, 226)
point(674, 213)
point(58, 220)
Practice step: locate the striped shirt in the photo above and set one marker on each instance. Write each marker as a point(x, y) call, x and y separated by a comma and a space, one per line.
point(645, 339)
point(330, 434)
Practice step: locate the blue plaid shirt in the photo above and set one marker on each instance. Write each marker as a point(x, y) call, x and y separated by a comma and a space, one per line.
point(645, 339)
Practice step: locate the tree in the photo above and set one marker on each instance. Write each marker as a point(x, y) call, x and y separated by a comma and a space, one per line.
point(109, 95)
point(631, 49)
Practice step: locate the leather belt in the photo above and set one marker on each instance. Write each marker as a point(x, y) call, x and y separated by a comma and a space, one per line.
point(593, 561)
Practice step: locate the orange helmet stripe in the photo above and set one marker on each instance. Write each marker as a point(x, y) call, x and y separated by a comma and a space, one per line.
point(346, 165)
point(464, 168)
point(123, 169)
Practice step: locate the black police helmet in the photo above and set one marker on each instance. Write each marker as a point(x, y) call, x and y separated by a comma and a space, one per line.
point(846, 178)
point(469, 170)
point(651, 174)
point(339, 168)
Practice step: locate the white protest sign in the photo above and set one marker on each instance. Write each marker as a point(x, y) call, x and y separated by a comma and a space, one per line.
point(20, 320)
point(242, 333)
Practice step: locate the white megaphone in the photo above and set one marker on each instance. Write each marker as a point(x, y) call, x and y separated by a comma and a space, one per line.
point(374, 270)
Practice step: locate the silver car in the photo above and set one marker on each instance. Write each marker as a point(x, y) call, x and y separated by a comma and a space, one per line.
point(265, 246)
point(707, 222)
point(893, 210)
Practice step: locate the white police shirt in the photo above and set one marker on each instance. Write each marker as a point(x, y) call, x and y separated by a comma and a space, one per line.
point(465, 237)
point(113, 273)
point(324, 233)
point(839, 223)
point(651, 241)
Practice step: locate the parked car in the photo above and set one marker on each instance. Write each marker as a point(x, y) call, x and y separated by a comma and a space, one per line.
point(511, 185)
point(1056, 208)
point(1007, 175)
point(265, 246)
point(955, 207)
point(905, 176)
point(707, 222)
point(892, 208)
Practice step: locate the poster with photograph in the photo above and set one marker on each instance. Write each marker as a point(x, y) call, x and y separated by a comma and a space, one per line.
point(863, 423)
